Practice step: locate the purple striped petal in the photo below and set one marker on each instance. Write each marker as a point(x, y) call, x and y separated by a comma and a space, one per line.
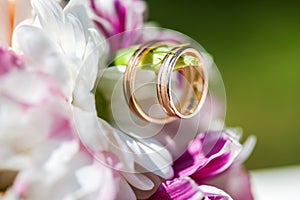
point(214, 193)
point(174, 189)
point(186, 188)
point(119, 16)
point(207, 155)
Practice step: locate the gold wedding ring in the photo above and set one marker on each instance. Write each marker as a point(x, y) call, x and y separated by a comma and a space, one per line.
point(194, 93)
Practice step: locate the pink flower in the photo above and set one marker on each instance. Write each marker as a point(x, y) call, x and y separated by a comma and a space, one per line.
point(212, 158)
point(207, 155)
point(39, 144)
point(118, 16)
point(65, 171)
point(32, 106)
point(186, 188)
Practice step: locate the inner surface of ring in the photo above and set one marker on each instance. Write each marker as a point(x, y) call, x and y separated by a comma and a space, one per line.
point(193, 88)
point(193, 83)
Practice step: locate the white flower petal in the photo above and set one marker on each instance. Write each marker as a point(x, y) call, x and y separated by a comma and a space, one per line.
point(44, 56)
point(26, 87)
point(50, 16)
point(73, 35)
point(125, 191)
point(152, 157)
point(248, 147)
point(139, 180)
point(77, 8)
point(64, 171)
point(89, 130)
point(15, 133)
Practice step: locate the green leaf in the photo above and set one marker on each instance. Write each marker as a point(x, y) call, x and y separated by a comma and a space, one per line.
point(102, 105)
point(153, 59)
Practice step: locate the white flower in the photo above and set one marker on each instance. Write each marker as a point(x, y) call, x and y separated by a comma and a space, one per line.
point(62, 46)
point(34, 116)
point(37, 135)
point(62, 43)
point(68, 173)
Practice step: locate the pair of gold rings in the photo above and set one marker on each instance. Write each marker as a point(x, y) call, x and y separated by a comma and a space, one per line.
point(194, 92)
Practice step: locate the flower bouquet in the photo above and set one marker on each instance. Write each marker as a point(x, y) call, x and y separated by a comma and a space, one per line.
point(96, 103)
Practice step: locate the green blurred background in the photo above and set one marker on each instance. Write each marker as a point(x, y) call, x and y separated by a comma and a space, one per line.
point(256, 46)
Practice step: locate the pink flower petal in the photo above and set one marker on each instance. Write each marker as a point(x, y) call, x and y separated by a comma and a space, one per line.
point(207, 155)
point(119, 16)
point(185, 188)
point(175, 189)
point(9, 61)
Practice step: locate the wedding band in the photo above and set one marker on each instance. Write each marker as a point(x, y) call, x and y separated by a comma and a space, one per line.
point(129, 79)
point(195, 76)
point(194, 93)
